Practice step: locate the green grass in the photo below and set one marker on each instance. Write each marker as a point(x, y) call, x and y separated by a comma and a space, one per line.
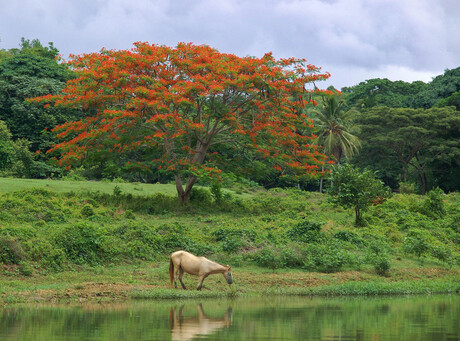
point(64, 186)
point(58, 236)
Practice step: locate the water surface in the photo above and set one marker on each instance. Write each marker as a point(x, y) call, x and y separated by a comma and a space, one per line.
point(269, 318)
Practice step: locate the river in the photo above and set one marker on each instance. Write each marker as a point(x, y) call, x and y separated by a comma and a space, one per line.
point(270, 318)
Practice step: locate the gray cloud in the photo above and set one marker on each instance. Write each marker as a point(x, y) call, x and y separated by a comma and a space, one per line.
point(415, 39)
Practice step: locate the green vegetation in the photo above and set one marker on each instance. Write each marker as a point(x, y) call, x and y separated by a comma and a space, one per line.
point(75, 237)
point(118, 211)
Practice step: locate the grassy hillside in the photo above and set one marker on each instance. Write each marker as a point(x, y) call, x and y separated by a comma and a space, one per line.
point(288, 239)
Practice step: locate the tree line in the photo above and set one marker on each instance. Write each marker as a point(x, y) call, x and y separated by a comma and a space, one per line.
point(191, 113)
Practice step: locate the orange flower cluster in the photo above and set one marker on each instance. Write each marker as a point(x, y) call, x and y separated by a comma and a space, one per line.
point(180, 101)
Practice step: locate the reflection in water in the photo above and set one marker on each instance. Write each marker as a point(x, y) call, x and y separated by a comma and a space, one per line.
point(188, 328)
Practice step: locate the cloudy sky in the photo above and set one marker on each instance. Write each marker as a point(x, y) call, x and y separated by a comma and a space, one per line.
point(354, 40)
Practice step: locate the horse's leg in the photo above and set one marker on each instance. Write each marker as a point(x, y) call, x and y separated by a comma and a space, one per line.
point(181, 274)
point(176, 268)
point(200, 281)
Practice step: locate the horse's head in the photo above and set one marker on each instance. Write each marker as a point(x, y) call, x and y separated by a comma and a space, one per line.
point(228, 275)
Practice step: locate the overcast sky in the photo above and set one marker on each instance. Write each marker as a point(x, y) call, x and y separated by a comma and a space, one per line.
point(354, 40)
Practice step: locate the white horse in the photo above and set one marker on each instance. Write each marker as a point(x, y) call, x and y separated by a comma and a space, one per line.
point(202, 267)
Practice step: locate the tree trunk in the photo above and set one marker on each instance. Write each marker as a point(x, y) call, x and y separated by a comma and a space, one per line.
point(183, 195)
point(357, 216)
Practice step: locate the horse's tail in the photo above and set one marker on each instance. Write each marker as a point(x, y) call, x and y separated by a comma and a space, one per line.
point(171, 271)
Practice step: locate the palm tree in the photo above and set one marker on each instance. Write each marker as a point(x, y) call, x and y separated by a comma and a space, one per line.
point(335, 129)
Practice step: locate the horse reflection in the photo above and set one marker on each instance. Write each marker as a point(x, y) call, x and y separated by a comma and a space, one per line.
point(191, 327)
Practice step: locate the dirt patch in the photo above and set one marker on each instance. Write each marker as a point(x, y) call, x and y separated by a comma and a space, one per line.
point(83, 292)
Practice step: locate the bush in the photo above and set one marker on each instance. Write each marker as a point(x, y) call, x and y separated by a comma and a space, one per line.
point(82, 243)
point(350, 237)
point(142, 241)
point(233, 239)
point(87, 211)
point(49, 256)
point(382, 264)
point(306, 231)
point(416, 242)
point(11, 251)
point(268, 257)
point(173, 237)
point(327, 257)
point(433, 205)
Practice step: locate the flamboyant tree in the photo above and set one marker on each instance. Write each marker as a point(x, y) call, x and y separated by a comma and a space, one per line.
point(158, 107)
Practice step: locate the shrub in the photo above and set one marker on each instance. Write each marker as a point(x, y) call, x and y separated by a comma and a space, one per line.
point(305, 231)
point(49, 256)
point(173, 237)
point(87, 211)
point(216, 191)
point(381, 263)
point(268, 257)
point(11, 251)
point(349, 236)
point(416, 242)
point(201, 196)
point(233, 239)
point(142, 241)
point(327, 257)
point(26, 269)
point(82, 243)
point(441, 252)
point(433, 205)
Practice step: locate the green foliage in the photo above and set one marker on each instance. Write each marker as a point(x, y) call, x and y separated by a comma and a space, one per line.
point(268, 257)
point(378, 255)
point(201, 196)
point(349, 236)
point(48, 255)
point(11, 251)
point(234, 239)
point(355, 188)
point(416, 242)
point(336, 132)
point(328, 257)
point(53, 231)
point(433, 205)
point(117, 190)
point(82, 243)
point(382, 92)
point(29, 72)
point(216, 191)
point(411, 145)
point(87, 211)
point(305, 231)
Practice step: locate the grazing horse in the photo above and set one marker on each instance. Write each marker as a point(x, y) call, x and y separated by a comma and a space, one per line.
point(202, 267)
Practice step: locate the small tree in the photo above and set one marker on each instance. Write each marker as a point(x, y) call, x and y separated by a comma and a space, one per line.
point(355, 188)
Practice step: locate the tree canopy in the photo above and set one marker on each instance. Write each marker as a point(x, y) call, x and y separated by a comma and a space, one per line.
point(156, 107)
point(28, 72)
point(404, 143)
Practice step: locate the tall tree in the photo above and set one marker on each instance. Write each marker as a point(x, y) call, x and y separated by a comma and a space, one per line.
point(410, 141)
point(335, 129)
point(29, 72)
point(164, 108)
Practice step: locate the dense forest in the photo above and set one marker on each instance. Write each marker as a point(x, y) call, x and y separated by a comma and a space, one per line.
point(407, 133)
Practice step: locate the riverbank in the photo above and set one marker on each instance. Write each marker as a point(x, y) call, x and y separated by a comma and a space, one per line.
point(151, 281)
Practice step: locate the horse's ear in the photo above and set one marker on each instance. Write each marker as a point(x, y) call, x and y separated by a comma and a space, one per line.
point(229, 267)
